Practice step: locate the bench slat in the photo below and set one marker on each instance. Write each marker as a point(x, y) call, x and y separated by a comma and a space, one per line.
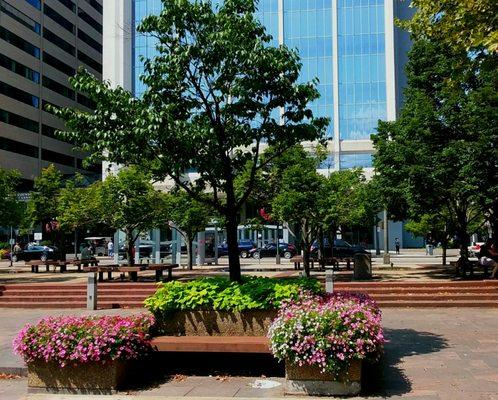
point(212, 344)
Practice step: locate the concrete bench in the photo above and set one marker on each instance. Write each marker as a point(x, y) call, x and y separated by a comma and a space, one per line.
point(35, 265)
point(298, 260)
point(101, 269)
point(212, 344)
point(93, 262)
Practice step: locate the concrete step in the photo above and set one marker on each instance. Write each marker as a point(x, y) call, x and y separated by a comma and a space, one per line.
point(434, 297)
point(440, 304)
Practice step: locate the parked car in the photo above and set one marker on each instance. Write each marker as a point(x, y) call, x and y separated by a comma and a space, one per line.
point(342, 249)
point(245, 246)
point(270, 250)
point(36, 252)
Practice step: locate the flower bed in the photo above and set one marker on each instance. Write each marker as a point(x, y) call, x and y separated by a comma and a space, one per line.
point(327, 334)
point(96, 346)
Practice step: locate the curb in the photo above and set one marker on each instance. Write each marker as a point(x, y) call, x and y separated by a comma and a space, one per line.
point(20, 371)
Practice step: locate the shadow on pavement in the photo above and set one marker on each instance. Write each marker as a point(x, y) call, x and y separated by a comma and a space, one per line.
point(387, 378)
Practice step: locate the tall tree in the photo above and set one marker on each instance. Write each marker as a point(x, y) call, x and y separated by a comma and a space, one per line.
point(468, 23)
point(11, 208)
point(436, 156)
point(128, 201)
point(188, 217)
point(216, 91)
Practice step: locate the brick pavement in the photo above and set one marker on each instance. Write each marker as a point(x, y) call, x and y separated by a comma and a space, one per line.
point(432, 354)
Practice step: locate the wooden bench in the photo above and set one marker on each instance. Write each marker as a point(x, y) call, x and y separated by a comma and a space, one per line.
point(93, 262)
point(132, 271)
point(35, 265)
point(461, 268)
point(159, 268)
point(101, 269)
point(297, 260)
point(212, 344)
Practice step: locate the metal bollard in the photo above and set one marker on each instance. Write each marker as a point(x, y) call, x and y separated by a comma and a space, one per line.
point(91, 291)
point(329, 280)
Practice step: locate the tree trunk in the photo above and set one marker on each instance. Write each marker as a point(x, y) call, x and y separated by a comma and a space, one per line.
point(129, 250)
point(464, 244)
point(306, 249)
point(233, 247)
point(321, 248)
point(444, 244)
point(189, 253)
point(277, 259)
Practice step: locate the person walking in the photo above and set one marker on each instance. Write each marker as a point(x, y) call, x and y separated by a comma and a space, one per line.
point(396, 245)
point(488, 256)
point(110, 248)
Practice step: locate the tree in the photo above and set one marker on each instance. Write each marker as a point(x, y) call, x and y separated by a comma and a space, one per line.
point(128, 201)
point(216, 91)
point(436, 157)
point(188, 217)
point(11, 208)
point(299, 199)
point(469, 23)
point(43, 205)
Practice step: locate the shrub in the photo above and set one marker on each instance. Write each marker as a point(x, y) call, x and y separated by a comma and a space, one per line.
point(4, 245)
point(76, 340)
point(328, 331)
point(4, 253)
point(254, 293)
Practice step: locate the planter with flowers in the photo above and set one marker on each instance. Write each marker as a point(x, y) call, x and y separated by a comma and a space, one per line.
point(84, 354)
point(323, 340)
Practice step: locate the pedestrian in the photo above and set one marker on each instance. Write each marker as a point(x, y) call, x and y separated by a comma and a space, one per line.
point(86, 252)
point(17, 248)
point(396, 245)
point(488, 256)
point(110, 248)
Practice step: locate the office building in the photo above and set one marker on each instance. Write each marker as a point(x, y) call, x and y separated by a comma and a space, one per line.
point(42, 44)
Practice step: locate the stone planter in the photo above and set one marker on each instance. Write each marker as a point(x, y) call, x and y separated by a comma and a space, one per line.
point(92, 377)
point(308, 380)
point(216, 323)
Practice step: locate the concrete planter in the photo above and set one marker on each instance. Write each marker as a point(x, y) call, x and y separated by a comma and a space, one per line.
point(216, 323)
point(308, 380)
point(92, 377)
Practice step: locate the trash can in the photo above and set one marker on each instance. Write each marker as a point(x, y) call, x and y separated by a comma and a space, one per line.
point(362, 267)
point(430, 249)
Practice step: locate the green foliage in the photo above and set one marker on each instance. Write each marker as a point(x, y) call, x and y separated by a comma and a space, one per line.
point(11, 208)
point(215, 91)
point(253, 293)
point(440, 156)
point(470, 24)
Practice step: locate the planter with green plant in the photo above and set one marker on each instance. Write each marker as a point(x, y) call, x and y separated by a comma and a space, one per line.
point(323, 341)
point(219, 307)
point(83, 354)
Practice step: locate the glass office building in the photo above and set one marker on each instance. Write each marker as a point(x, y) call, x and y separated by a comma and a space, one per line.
point(351, 46)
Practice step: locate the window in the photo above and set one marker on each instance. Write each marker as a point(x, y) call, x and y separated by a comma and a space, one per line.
point(58, 64)
point(18, 147)
point(19, 121)
point(19, 16)
point(46, 103)
point(58, 88)
point(62, 44)
point(52, 156)
point(19, 42)
point(35, 3)
point(89, 20)
point(95, 4)
point(50, 131)
point(89, 61)
point(19, 69)
point(356, 160)
point(89, 41)
point(69, 4)
point(55, 16)
point(85, 101)
point(19, 95)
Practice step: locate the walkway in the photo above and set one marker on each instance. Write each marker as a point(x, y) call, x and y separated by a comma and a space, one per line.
point(433, 354)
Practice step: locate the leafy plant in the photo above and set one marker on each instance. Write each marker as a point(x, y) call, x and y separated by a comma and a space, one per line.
point(253, 293)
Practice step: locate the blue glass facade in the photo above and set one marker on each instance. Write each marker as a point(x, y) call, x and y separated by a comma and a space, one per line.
point(362, 71)
point(308, 27)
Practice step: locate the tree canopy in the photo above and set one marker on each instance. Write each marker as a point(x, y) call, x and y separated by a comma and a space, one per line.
point(216, 90)
point(469, 24)
point(11, 208)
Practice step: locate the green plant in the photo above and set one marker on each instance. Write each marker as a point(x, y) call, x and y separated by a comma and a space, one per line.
point(4, 245)
point(46, 243)
point(254, 293)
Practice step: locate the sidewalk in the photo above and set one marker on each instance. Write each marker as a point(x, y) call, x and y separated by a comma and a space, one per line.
point(432, 354)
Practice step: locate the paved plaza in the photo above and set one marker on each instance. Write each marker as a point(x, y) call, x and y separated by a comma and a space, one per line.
point(432, 354)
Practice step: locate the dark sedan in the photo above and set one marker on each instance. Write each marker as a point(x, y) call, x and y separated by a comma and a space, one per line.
point(342, 249)
point(270, 250)
point(245, 247)
point(35, 252)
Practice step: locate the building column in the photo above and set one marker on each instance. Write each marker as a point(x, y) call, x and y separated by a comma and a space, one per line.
point(335, 81)
point(390, 67)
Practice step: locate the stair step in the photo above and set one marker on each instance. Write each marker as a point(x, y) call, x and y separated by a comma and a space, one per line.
point(442, 304)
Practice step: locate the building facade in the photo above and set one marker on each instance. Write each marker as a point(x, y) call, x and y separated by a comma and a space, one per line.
point(42, 44)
